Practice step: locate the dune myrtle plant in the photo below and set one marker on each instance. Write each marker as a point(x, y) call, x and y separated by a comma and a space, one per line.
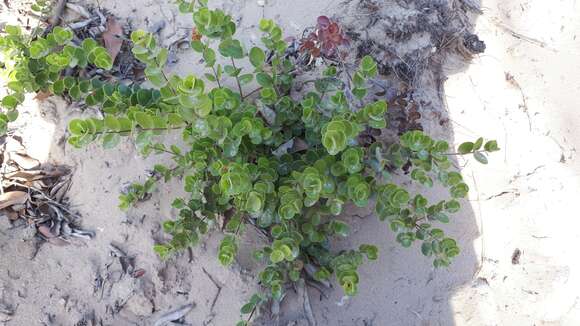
point(36, 65)
point(257, 154)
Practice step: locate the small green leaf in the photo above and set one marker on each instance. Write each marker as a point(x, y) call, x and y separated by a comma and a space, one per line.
point(369, 66)
point(257, 57)
point(442, 217)
point(372, 252)
point(334, 141)
point(477, 144)
point(459, 191)
point(162, 250)
point(264, 79)
point(144, 97)
point(480, 157)
point(89, 45)
point(277, 256)
point(254, 202)
point(77, 127)
point(247, 308)
point(62, 35)
point(102, 59)
point(162, 57)
point(491, 146)
point(155, 76)
point(12, 30)
point(231, 48)
point(266, 25)
point(340, 228)
point(197, 46)
point(203, 106)
point(11, 115)
point(144, 120)
point(69, 82)
point(39, 49)
point(112, 123)
point(466, 148)
point(246, 79)
point(209, 57)
point(452, 206)
point(427, 249)
point(10, 102)
point(75, 92)
point(111, 140)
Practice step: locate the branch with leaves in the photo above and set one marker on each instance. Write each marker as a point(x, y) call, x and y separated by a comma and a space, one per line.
point(285, 163)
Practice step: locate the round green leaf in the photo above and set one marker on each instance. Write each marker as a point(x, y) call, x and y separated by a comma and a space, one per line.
point(277, 256)
point(466, 148)
point(480, 157)
point(257, 57)
point(10, 102)
point(254, 202)
point(491, 146)
point(144, 120)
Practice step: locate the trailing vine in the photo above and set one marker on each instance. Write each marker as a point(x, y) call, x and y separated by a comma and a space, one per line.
point(257, 154)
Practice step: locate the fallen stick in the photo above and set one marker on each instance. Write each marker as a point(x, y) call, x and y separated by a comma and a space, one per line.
point(174, 315)
point(82, 24)
point(57, 12)
point(217, 285)
point(307, 306)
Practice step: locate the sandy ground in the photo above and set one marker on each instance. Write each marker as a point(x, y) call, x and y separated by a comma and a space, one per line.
point(523, 200)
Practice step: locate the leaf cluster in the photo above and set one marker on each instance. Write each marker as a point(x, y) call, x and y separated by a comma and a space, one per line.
point(36, 64)
point(325, 39)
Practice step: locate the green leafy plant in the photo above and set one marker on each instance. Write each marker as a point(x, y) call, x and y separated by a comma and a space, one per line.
point(257, 154)
point(33, 64)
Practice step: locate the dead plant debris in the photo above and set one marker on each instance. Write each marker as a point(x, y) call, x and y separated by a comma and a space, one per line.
point(36, 194)
point(113, 37)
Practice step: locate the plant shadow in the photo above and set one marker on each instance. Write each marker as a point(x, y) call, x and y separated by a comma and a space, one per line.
point(418, 43)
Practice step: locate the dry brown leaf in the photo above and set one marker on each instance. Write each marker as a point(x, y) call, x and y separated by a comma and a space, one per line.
point(112, 37)
point(12, 198)
point(138, 273)
point(45, 231)
point(14, 145)
point(26, 175)
point(41, 96)
point(195, 35)
point(58, 242)
point(78, 9)
point(24, 161)
point(41, 184)
point(60, 189)
point(299, 145)
point(12, 215)
point(50, 237)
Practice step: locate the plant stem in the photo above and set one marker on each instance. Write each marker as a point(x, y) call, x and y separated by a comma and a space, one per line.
point(216, 76)
point(252, 314)
point(450, 154)
point(165, 77)
point(237, 78)
point(240, 224)
point(142, 129)
point(251, 93)
point(161, 149)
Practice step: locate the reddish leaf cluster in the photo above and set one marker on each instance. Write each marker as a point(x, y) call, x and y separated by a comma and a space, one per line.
point(325, 40)
point(195, 35)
